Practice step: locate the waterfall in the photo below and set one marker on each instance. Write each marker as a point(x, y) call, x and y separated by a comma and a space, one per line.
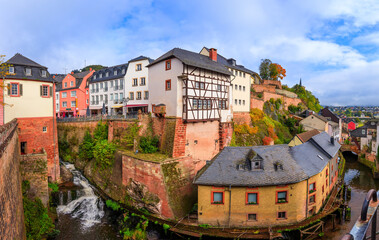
point(87, 207)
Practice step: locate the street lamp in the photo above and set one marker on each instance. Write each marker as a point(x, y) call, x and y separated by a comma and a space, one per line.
point(125, 101)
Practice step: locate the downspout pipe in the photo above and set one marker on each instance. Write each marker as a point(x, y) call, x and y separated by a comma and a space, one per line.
point(230, 203)
point(306, 203)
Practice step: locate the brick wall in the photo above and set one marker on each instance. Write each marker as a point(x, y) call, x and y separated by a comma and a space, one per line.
point(256, 103)
point(241, 117)
point(277, 84)
point(226, 133)
point(31, 132)
point(11, 208)
point(179, 147)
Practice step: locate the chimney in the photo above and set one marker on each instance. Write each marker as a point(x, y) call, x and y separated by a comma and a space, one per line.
point(213, 54)
point(332, 140)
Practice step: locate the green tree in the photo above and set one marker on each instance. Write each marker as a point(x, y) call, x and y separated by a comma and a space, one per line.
point(348, 112)
point(264, 69)
point(104, 154)
point(101, 131)
point(94, 67)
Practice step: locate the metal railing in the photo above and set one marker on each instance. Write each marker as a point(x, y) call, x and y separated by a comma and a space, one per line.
point(367, 219)
point(98, 118)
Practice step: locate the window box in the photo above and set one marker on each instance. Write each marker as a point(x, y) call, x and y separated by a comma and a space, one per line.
point(217, 197)
point(312, 191)
point(282, 201)
point(281, 197)
point(252, 198)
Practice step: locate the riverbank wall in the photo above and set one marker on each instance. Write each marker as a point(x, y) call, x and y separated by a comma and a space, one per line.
point(11, 207)
point(369, 160)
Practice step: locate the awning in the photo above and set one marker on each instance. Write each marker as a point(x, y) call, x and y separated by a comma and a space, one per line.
point(137, 105)
point(95, 107)
point(117, 106)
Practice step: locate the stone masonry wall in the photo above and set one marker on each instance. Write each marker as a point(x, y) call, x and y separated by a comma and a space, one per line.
point(31, 132)
point(241, 117)
point(226, 133)
point(256, 103)
point(34, 169)
point(167, 186)
point(179, 147)
point(11, 208)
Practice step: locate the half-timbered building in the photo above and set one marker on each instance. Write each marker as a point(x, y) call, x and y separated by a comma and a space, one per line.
point(195, 89)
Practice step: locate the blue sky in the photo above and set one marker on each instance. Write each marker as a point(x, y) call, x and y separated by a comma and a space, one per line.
point(331, 45)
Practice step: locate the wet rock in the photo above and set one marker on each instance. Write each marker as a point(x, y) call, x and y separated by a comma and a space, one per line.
point(66, 175)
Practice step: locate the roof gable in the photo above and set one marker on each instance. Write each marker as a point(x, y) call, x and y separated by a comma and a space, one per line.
point(19, 59)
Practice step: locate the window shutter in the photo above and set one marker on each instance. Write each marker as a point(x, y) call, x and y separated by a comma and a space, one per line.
point(40, 90)
point(9, 89)
point(51, 91)
point(20, 89)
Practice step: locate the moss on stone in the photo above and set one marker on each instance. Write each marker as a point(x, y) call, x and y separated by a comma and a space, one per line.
point(167, 144)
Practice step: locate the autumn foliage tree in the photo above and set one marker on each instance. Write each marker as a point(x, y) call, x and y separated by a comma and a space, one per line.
point(271, 71)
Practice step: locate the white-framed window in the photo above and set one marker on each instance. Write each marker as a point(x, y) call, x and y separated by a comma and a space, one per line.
point(116, 96)
point(71, 83)
point(44, 129)
point(64, 94)
point(28, 71)
point(100, 75)
point(116, 83)
point(14, 89)
point(111, 97)
point(64, 104)
point(146, 95)
point(143, 81)
point(139, 95)
point(107, 74)
point(73, 93)
point(135, 81)
point(94, 76)
point(87, 101)
point(111, 83)
point(45, 90)
point(65, 84)
point(101, 98)
point(121, 96)
point(115, 72)
point(11, 70)
point(73, 104)
point(139, 67)
point(44, 73)
point(194, 103)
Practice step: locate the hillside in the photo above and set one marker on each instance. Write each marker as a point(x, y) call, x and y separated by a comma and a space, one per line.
point(306, 96)
point(271, 124)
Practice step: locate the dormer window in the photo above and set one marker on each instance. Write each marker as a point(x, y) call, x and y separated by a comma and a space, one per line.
point(94, 76)
point(256, 165)
point(123, 71)
point(278, 166)
point(115, 72)
point(28, 71)
point(11, 70)
point(101, 75)
point(43, 73)
point(107, 74)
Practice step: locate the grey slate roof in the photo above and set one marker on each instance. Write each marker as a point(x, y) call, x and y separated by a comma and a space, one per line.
point(358, 132)
point(299, 163)
point(110, 70)
point(142, 58)
point(325, 112)
point(228, 63)
point(193, 59)
point(20, 62)
point(323, 140)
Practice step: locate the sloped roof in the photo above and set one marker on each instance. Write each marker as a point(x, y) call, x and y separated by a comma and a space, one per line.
point(19, 59)
point(227, 63)
point(193, 59)
point(359, 132)
point(142, 58)
point(305, 136)
point(20, 63)
point(110, 70)
point(299, 163)
point(327, 113)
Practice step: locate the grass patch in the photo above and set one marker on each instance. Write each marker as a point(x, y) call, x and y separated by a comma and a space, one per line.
point(152, 157)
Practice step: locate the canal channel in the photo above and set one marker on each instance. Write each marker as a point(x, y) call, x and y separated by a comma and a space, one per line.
point(359, 178)
point(82, 214)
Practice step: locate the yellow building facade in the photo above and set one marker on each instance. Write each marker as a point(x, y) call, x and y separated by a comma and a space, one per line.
point(235, 205)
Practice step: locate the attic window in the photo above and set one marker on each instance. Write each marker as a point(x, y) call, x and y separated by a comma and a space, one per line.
point(115, 72)
point(107, 74)
point(363, 131)
point(94, 76)
point(28, 71)
point(11, 70)
point(278, 166)
point(123, 71)
point(43, 73)
point(101, 75)
point(256, 165)
point(320, 157)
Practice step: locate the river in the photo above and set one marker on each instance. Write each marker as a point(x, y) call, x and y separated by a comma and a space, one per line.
point(82, 214)
point(359, 178)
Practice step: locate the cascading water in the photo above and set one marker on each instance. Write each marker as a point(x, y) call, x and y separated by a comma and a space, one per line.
point(81, 213)
point(88, 207)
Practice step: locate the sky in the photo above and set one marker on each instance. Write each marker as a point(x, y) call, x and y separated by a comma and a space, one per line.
point(332, 45)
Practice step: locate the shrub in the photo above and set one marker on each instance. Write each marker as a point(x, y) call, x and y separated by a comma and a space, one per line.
point(149, 144)
point(54, 187)
point(86, 147)
point(260, 95)
point(104, 154)
point(131, 134)
point(101, 131)
point(114, 205)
